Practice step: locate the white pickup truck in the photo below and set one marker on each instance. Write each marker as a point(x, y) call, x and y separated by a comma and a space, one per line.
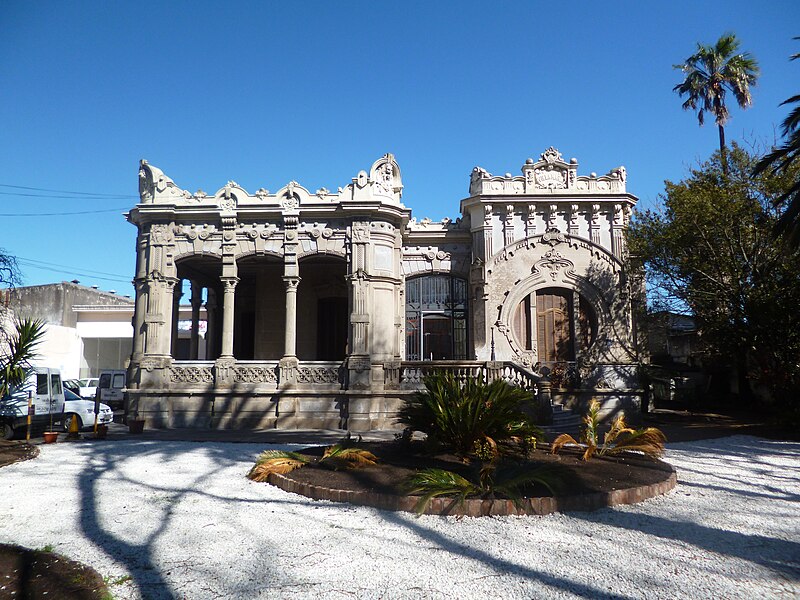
point(43, 386)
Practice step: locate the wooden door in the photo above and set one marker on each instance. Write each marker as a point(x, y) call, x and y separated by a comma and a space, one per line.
point(554, 326)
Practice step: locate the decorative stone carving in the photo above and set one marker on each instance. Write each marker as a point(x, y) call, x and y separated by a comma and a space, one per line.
point(551, 177)
point(553, 262)
point(291, 199)
point(317, 375)
point(553, 237)
point(255, 374)
point(160, 234)
point(190, 375)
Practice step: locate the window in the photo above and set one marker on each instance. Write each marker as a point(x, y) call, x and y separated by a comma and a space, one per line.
point(436, 318)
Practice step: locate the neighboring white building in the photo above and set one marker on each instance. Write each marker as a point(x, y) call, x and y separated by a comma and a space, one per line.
point(86, 330)
point(325, 308)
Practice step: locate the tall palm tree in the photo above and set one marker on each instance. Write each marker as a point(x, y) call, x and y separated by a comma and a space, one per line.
point(781, 160)
point(713, 71)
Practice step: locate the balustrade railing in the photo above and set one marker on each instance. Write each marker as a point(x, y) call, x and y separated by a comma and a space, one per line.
point(412, 373)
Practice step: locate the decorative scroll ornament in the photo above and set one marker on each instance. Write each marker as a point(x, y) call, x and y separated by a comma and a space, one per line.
point(318, 375)
point(551, 155)
point(553, 261)
point(553, 237)
point(290, 199)
point(228, 201)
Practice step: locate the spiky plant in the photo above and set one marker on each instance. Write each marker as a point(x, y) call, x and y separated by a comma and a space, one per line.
point(338, 456)
point(15, 360)
point(341, 456)
point(488, 480)
point(276, 461)
point(620, 438)
point(464, 415)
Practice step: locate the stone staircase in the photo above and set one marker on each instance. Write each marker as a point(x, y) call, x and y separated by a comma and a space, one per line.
point(564, 421)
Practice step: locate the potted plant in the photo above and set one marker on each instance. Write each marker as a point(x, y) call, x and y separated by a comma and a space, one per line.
point(135, 424)
point(51, 436)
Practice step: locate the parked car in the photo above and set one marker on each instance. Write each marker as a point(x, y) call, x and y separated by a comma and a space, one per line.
point(84, 410)
point(111, 387)
point(88, 387)
point(73, 385)
point(47, 402)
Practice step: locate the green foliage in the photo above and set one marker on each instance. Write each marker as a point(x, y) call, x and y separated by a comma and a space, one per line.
point(781, 160)
point(488, 480)
point(471, 415)
point(709, 250)
point(620, 438)
point(22, 346)
point(710, 73)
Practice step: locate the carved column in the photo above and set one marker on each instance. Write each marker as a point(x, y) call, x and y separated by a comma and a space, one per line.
point(617, 219)
point(594, 225)
point(140, 308)
point(211, 324)
point(290, 345)
point(572, 227)
point(508, 225)
point(228, 304)
point(197, 300)
point(177, 294)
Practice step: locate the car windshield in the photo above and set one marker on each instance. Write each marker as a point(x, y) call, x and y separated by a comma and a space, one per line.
point(70, 395)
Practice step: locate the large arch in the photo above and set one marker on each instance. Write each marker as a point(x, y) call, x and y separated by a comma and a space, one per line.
point(322, 307)
point(259, 326)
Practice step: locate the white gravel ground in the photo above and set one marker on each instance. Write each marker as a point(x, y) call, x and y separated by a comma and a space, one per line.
point(180, 520)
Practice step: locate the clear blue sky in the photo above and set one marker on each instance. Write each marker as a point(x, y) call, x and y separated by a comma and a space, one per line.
point(264, 93)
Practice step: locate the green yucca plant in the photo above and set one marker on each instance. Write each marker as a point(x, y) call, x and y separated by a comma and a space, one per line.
point(22, 347)
point(463, 416)
point(338, 456)
point(487, 480)
point(620, 438)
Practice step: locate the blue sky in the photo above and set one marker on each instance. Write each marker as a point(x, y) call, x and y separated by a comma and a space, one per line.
point(263, 93)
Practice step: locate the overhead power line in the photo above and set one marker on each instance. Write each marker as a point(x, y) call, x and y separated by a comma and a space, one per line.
point(79, 194)
point(72, 271)
point(65, 214)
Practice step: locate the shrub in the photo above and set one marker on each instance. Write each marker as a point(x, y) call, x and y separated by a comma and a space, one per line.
point(620, 438)
point(471, 415)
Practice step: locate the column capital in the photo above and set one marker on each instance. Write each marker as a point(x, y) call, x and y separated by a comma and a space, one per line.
point(291, 281)
point(230, 283)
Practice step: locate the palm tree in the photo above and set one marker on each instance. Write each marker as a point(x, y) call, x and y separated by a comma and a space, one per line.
point(712, 72)
point(780, 161)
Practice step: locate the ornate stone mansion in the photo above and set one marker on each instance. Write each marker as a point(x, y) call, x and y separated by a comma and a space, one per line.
point(324, 309)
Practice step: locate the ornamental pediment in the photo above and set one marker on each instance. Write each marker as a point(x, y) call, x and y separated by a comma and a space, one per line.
point(550, 174)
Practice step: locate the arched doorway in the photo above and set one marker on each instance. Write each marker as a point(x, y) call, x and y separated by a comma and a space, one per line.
point(436, 318)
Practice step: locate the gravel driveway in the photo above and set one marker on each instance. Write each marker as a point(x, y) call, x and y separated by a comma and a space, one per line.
point(180, 520)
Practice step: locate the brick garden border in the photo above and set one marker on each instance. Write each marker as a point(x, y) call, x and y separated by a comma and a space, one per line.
point(481, 508)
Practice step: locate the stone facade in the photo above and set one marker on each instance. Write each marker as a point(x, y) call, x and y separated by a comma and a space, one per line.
point(325, 308)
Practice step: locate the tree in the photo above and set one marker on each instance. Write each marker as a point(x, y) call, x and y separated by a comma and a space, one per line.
point(21, 349)
point(782, 159)
point(709, 250)
point(710, 73)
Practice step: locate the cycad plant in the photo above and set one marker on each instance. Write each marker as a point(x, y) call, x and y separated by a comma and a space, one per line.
point(339, 456)
point(620, 438)
point(488, 480)
point(470, 416)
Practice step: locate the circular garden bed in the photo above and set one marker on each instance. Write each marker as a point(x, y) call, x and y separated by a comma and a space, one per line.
point(582, 485)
